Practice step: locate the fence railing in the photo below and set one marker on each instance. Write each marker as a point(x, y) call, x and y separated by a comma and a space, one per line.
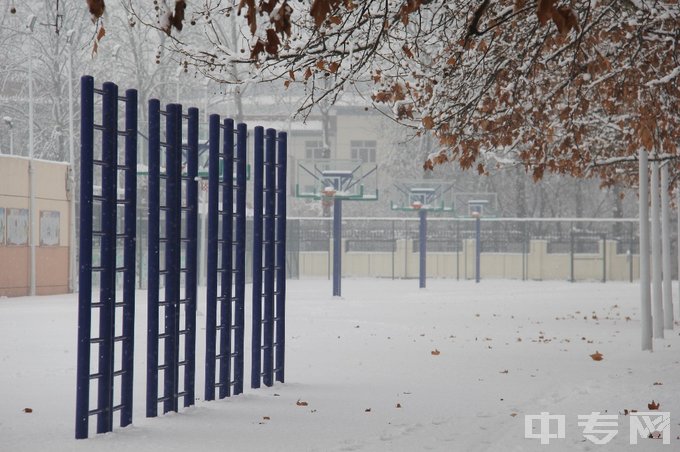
point(513, 248)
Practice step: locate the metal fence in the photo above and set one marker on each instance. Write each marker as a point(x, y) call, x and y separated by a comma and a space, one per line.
point(580, 239)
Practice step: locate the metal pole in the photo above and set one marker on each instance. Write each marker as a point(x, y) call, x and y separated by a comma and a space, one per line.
point(337, 244)
point(478, 247)
point(666, 249)
point(270, 259)
point(423, 247)
point(657, 294)
point(72, 168)
point(107, 293)
point(240, 277)
point(191, 281)
point(258, 186)
point(645, 289)
point(31, 179)
point(571, 255)
point(281, 189)
point(85, 280)
point(130, 243)
point(153, 257)
point(212, 246)
point(604, 258)
point(394, 248)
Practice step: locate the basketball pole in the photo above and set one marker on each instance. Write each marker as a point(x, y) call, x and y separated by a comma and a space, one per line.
point(422, 213)
point(337, 245)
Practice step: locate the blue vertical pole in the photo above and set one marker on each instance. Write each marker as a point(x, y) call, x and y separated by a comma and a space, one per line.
point(240, 277)
point(258, 170)
point(211, 289)
point(85, 253)
point(191, 263)
point(153, 258)
point(127, 379)
point(422, 213)
point(107, 293)
point(281, 191)
point(227, 257)
point(173, 220)
point(270, 247)
point(337, 244)
point(478, 247)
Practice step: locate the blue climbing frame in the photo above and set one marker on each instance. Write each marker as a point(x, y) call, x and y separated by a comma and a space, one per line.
point(226, 260)
point(179, 248)
point(100, 166)
point(172, 257)
point(269, 257)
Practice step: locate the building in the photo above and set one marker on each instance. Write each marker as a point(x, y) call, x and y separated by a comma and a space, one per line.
point(50, 234)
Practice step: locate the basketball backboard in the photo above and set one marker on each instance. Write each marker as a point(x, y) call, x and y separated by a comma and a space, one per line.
point(475, 204)
point(340, 179)
point(432, 195)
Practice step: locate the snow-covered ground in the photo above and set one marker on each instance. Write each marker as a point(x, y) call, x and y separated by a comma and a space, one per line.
point(366, 368)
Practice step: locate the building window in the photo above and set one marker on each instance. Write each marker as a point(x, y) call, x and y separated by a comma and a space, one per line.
point(314, 150)
point(363, 150)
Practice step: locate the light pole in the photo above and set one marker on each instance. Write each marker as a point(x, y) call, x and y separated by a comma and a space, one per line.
point(31, 182)
point(10, 123)
point(72, 167)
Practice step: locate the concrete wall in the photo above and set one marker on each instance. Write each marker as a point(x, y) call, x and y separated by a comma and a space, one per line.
point(50, 195)
point(537, 264)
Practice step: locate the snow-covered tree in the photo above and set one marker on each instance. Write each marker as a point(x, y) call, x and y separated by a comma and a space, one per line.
point(572, 87)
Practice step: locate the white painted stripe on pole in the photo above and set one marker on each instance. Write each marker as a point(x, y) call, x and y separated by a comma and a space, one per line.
point(645, 295)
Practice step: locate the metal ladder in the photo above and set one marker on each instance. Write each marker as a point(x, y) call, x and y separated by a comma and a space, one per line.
point(226, 259)
point(269, 257)
point(178, 337)
point(108, 340)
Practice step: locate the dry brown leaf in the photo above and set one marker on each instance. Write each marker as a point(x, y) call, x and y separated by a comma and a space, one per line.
point(597, 356)
point(435, 352)
point(28, 410)
point(96, 8)
point(657, 383)
point(367, 410)
point(177, 18)
point(513, 414)
point(266, 418)
point(428, 122)
point(398, 405)
point(101, 32)
point(301, 403)
point(653, 405)
point(545, 10)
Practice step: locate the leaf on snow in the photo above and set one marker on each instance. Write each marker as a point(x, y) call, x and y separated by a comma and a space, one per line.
point(597, 356)
point(653, 405)
point(301, 403)
point(435, 352)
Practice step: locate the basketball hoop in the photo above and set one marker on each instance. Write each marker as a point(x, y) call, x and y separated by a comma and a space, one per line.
point(327, 196)
point(328, 192)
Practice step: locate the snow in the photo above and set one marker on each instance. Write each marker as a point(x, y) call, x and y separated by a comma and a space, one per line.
point(373, 349)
